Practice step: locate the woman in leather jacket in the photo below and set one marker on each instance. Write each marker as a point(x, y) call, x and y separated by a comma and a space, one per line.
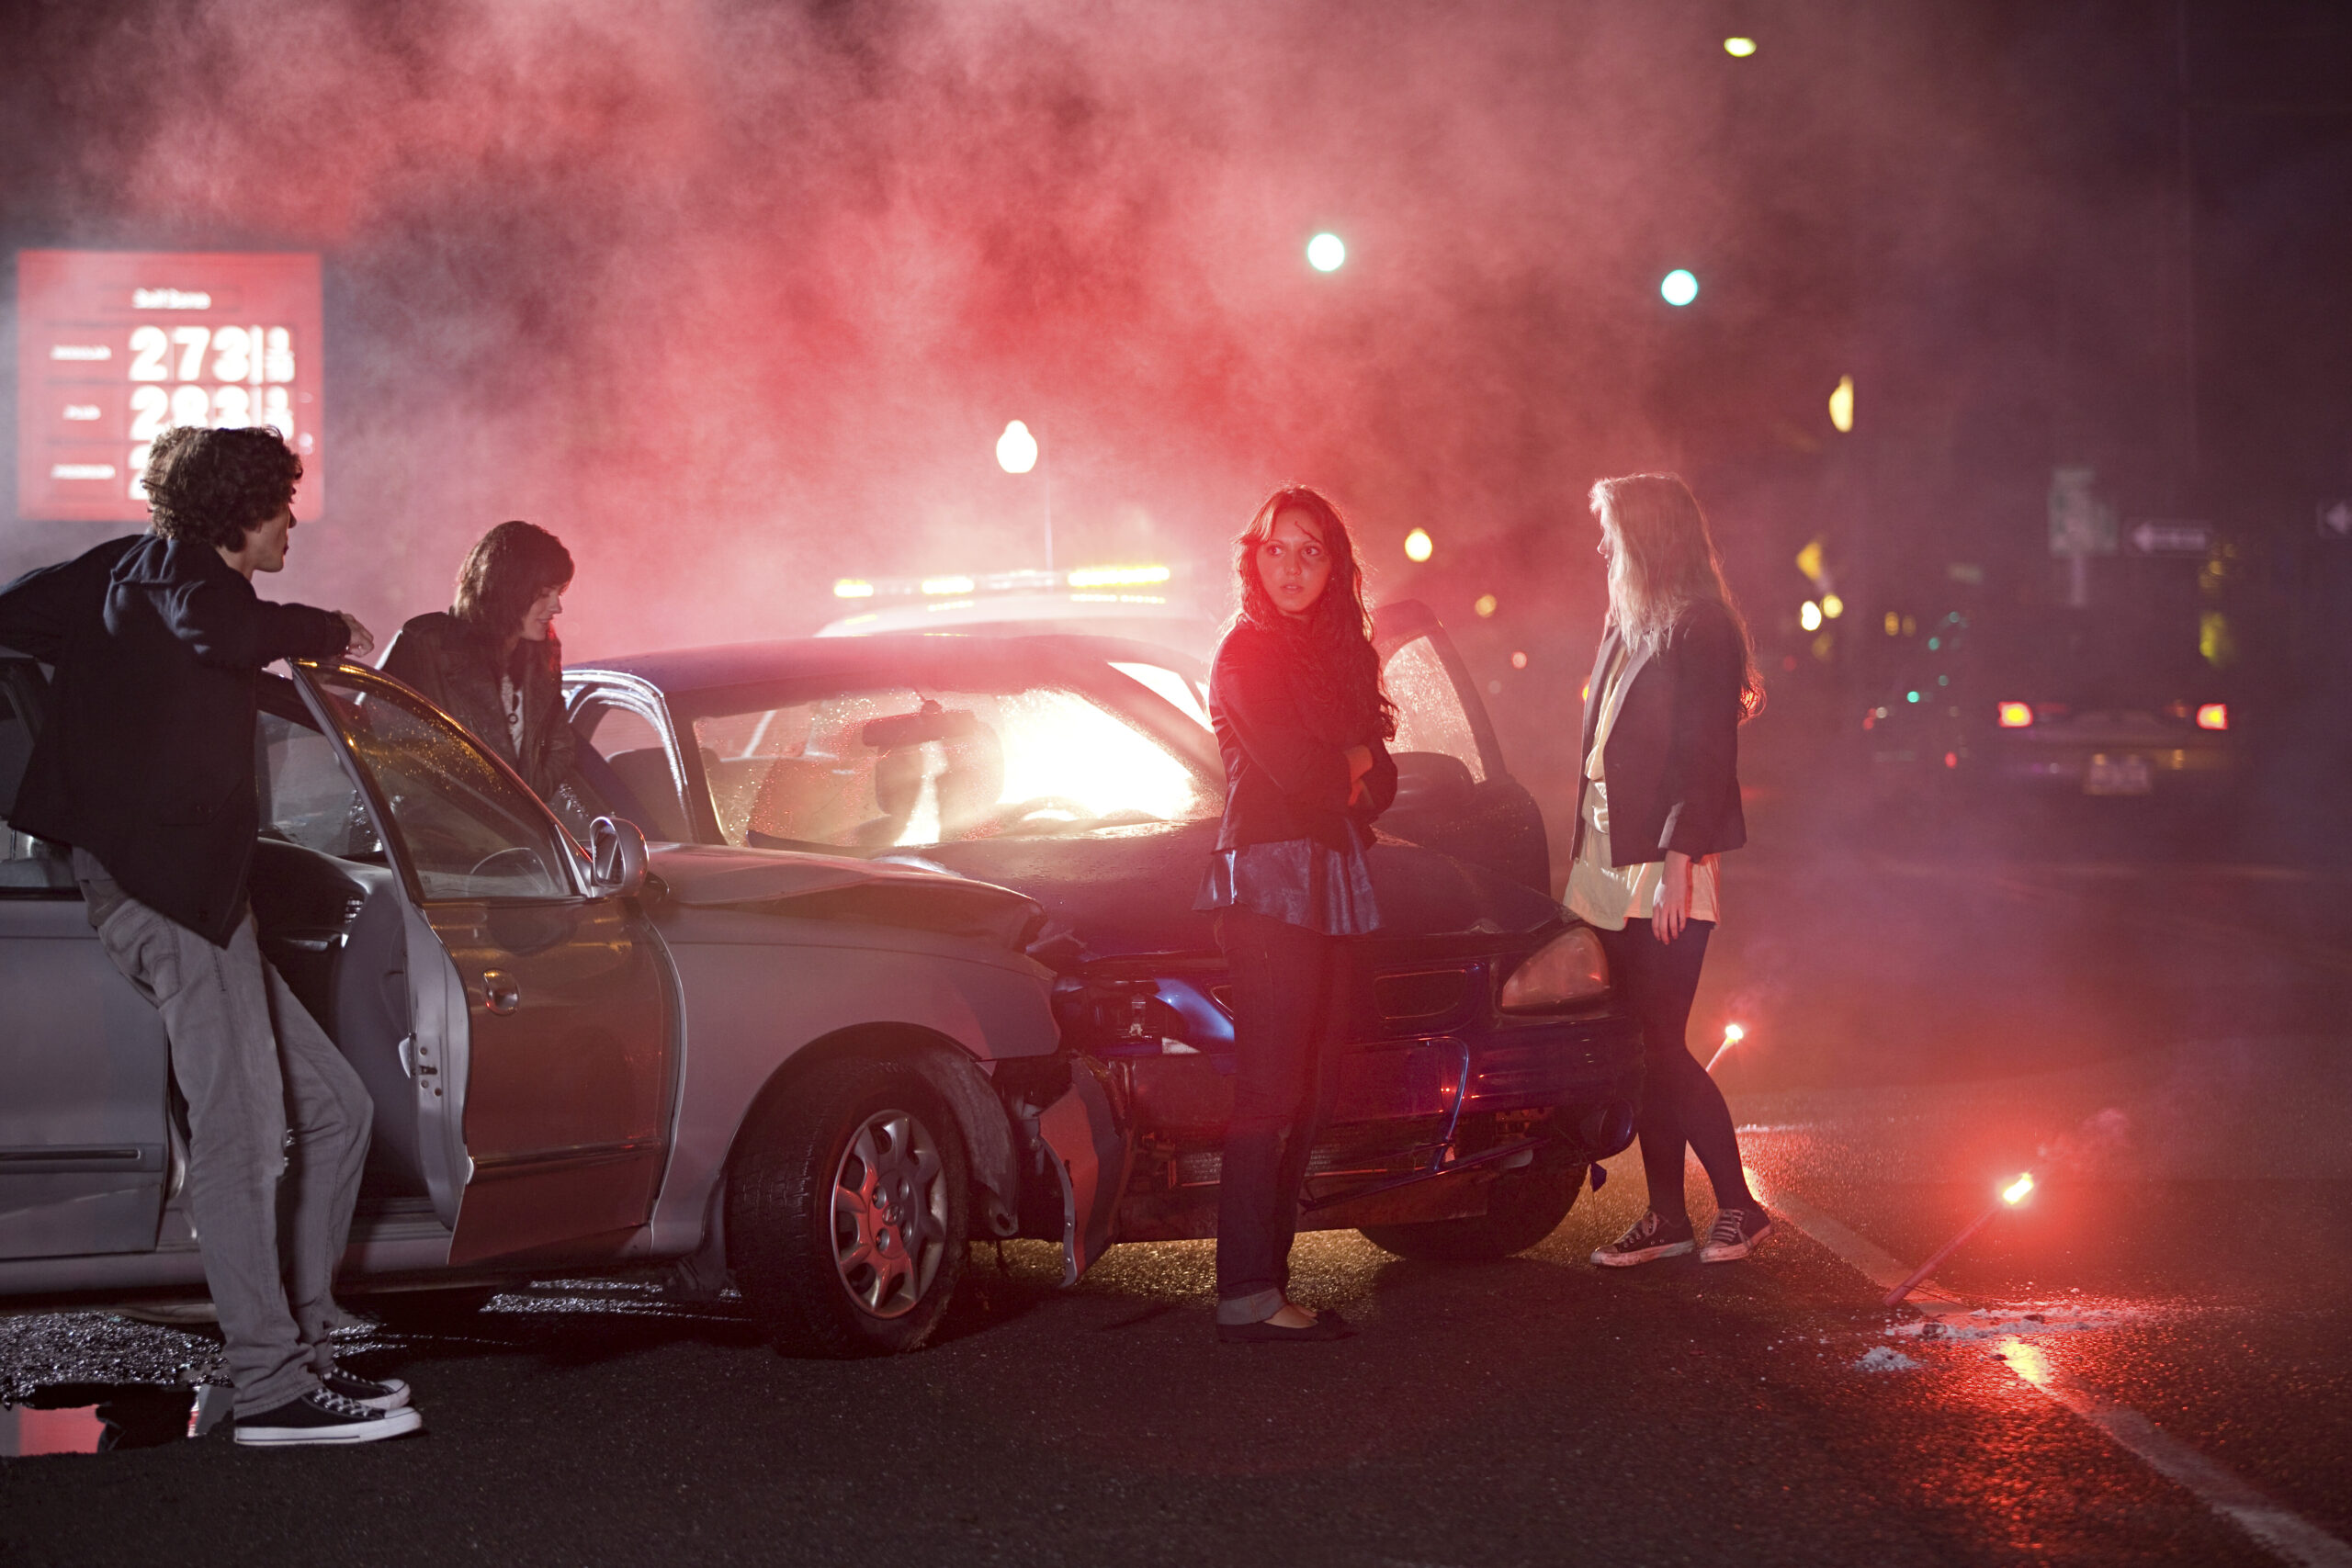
point(1302, 723)
point(494, 663)
point(1656, 806)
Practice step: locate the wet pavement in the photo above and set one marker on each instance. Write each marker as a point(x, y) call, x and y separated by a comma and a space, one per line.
point(2146, 1360)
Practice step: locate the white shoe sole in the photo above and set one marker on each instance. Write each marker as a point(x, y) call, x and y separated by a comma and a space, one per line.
point(1734, 1253)
point(394, 1424)
point(1611, 1260)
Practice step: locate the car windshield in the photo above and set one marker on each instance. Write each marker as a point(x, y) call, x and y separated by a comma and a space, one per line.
point(897, 767)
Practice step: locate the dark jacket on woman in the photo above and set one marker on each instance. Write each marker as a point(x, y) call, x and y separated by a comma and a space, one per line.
point(1672, 761)
point(459, 668)
point(1285, 748)
point(146, 758)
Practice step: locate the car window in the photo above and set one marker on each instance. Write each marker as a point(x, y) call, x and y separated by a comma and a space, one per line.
point(897, 767)
point(26, 864)
point(1430, 714)
point(631, 747)
point(469, 829)
point(1191, 697)
point(307, 798)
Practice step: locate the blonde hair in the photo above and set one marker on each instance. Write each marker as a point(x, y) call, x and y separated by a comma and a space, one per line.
point(1662, 561)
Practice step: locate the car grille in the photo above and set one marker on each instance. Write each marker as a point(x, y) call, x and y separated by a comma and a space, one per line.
point(1426, 999)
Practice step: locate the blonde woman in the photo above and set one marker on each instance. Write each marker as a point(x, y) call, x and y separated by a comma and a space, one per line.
point(1659, 802)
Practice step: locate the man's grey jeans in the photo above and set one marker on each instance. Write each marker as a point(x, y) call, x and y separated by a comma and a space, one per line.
point(269, 1101)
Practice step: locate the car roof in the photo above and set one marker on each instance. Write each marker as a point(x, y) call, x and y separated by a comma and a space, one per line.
point(945, 657)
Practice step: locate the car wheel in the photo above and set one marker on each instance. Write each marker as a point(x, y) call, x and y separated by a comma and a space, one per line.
point(849, 1212)
point(1525, 1207)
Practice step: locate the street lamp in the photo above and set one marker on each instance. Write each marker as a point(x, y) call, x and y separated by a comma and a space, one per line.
point(1016, 449)
point(1841, 405)
point(1017, 453)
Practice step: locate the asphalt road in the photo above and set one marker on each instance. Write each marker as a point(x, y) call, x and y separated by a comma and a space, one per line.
point(2145, 1362)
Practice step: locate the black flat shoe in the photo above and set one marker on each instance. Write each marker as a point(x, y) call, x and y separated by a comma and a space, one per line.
point(1327, 1325)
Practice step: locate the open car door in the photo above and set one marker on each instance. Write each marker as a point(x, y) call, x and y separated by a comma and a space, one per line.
point(544, 1051)
point(1452, 791)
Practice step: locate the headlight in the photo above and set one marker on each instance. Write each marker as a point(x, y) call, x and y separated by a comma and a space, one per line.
point(1569, 968)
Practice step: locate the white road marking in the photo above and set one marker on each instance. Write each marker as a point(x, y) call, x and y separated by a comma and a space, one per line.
point(1872, 1262)
point(2285, 1534)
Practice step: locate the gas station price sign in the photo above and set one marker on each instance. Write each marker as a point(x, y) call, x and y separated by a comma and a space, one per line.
point(114, 347)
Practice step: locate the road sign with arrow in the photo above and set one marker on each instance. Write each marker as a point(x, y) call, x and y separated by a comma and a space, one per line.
point(2167, 536)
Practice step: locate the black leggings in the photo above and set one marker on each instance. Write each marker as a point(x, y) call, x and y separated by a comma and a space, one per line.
point(1284, 989)
point(1680, 1104)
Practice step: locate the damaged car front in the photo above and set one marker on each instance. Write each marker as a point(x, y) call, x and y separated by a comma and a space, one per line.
point(1484, 1064)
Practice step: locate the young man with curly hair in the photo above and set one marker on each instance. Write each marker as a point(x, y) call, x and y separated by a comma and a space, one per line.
point(146, 767)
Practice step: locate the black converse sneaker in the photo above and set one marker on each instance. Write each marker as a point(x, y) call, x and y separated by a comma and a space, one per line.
point(1734, 1235)
point(1650, 1239)
point(319, 1417)
point(391, 1393)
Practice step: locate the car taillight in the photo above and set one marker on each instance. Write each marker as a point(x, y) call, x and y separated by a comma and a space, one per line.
point(2212, 716)
point(2016, 715)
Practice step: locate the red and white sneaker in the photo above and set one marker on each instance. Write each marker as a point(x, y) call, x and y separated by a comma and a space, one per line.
point(1734, 1235)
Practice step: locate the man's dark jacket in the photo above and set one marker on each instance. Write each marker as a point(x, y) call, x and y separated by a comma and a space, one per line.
point(1285, 749)
point(459, 669)
point(1672, 765)
point(146, 759)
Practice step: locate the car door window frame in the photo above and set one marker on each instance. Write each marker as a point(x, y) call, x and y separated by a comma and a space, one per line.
point(573, 873)
point(1398, 624)
point(646, 701)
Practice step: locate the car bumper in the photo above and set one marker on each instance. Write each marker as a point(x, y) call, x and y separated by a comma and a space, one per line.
point(2116, 770)
point(1185, 1099)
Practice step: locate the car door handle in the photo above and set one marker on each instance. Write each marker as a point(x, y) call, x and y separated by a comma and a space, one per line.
point(500, 994)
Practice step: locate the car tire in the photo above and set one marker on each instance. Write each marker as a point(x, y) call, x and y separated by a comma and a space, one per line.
point(849, 1212)
point(1525, 1207)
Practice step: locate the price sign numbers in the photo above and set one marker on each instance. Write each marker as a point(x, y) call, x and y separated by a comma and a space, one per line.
point(226, 377)
point(116, 348)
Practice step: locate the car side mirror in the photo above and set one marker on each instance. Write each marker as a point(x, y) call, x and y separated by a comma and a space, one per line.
point(1432, 780)
point(616, 853)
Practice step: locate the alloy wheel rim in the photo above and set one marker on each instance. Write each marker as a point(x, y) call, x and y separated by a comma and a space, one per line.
point(889, 1217)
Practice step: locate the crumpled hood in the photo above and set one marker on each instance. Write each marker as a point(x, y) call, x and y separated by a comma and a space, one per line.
point(812, 886)
point(1130, 890)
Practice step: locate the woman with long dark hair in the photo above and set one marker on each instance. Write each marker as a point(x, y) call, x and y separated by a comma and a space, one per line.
point(1659, 803)
point(1302, 723)
point(494, 663)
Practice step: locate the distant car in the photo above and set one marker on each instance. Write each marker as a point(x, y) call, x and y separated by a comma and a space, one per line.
point(2052, 709)
point(1487, 1063)
point(785, 1065)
